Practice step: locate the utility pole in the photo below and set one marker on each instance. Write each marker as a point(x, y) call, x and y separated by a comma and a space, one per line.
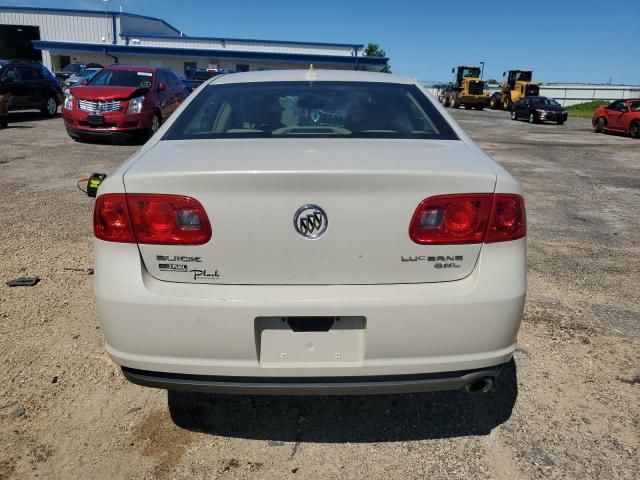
point(106, 21)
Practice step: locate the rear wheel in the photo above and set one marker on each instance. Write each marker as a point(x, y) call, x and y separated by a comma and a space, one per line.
point(455, 101)
point(445, 100)
point(480, 106)
point(50, 108)
point(634, 130)
point(560, 122)
point(599, 128)
point(468, 107)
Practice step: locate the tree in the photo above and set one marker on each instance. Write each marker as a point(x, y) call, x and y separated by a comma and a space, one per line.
point(374, 50)
point(492, 81)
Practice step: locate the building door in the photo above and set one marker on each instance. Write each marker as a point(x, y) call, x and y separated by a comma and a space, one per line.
point(15, 42)
point(63, 61)
point(190, 69)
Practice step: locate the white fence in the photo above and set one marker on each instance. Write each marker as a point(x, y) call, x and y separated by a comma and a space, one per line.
point(571, 94)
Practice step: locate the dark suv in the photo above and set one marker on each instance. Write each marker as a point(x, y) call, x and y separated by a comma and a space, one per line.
point(29, 85)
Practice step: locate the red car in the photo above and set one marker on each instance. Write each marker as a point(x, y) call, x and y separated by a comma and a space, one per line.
point(122, 101)
point(619, 116)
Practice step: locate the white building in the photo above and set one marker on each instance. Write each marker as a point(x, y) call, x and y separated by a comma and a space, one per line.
point(64, 36)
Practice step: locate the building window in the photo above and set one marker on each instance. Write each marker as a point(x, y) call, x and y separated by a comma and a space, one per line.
point(242, 67)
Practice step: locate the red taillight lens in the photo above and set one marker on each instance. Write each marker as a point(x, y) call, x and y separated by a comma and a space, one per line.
point(468, 218)
point(152, 219)
point(451, 219)
point(111, 220)
point(508, 218)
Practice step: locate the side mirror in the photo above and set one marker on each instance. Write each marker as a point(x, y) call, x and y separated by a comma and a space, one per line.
point(453, 70)
point(84, 81)
point(504, 74)
point(161, 87)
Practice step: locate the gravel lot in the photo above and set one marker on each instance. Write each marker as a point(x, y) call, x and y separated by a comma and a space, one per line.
point(569, 406)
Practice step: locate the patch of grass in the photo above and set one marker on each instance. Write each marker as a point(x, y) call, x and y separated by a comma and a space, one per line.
point(585, 110)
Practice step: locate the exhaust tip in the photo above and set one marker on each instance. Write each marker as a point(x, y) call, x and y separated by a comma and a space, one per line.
point(480, 385)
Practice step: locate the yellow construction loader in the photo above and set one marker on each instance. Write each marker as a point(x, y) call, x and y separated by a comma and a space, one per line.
point(467, 89)
point(516, 86)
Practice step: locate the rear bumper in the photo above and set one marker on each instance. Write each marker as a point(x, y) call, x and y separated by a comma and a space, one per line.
point(474, 99)
point(552, 117)
point(163, 328)
point(309, 385)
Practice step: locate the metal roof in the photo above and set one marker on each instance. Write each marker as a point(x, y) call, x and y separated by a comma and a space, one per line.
point(231, 39)
point(91, 12)
point(180, 35)
point(222, 54)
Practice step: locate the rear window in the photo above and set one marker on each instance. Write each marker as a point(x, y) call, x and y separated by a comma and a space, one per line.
point(304, 109)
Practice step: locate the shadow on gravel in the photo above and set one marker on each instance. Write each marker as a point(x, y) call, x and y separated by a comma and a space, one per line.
point(335, 419)
point(29, 116)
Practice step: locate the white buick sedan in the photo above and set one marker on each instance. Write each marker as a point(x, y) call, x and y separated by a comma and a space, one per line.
point(310, 232)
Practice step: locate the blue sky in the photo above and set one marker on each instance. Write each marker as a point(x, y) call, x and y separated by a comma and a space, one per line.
point(561, 40)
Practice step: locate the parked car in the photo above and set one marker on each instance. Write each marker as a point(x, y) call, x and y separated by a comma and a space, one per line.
point(31, 86)
point(619, 116)
point(203, 74)
point(247, 249)
point(72, 68)
point(190, 85)
point(4, 109)
point(84, 74)
point(539, 109)
point(122, 101)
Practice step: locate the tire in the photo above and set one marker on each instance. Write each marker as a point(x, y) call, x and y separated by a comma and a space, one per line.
point(156, 122)
point(514, 115)
point(445, 101)
point(634, 130)
point(560, 122)
point(50, 108)
point(4, 122)
point(507, 104)
point(455, 101)
point(599, 127)
point(480, 107)
point(467, 107)
point(532, 118)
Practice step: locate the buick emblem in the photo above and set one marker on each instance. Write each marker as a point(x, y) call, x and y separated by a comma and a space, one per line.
point(310, 221)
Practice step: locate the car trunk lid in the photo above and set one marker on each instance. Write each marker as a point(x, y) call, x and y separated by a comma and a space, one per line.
point(252, 189)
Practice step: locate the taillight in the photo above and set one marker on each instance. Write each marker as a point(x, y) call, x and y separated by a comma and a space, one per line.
point(468, 218)
point(151, 218)
point(111, 220)
point(508, 218)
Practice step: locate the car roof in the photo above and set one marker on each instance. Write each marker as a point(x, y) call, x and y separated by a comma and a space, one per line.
point(303, 75)
point(17, 61)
